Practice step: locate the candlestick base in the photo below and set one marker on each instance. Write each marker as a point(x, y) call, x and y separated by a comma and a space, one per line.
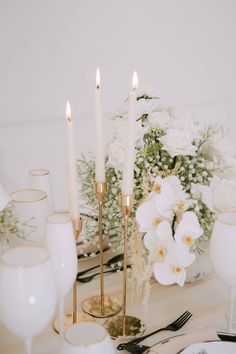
point(134, 327)
point(68, 320)
point(92, 306)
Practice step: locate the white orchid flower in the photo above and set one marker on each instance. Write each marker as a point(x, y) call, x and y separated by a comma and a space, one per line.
point(173, 269)
point(163, 194)
point(188, 230)
point(159, 242)
point(148, 216)
point(183, 202)
point(220, 196)
point(169, 196)
point(4, 198)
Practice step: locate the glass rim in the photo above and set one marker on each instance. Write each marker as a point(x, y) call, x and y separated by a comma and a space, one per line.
point(60, 212)
point(36, 172)
point(33, 200)
point(81, 344)
point(6, 264)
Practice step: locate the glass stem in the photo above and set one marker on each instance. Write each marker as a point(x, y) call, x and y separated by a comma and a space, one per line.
point(28, 345)
point(61, 316)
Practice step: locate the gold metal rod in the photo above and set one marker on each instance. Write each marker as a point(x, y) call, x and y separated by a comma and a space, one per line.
point(77, 227)
point(75, 311)
point(101, 256)
point(125, 272)
point(100, 190)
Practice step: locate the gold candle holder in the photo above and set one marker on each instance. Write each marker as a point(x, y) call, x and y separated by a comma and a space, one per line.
point(101, 306)
point(123, 325)
point(73, 317)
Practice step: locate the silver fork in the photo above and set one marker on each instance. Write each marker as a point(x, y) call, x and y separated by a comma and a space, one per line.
point(133, 346)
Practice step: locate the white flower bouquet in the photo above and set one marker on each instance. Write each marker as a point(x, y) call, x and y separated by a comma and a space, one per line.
point(173, 153)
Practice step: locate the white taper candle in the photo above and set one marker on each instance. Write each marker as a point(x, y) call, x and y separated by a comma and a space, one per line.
point(72, 176)
point(129, 156)
point(99, 142)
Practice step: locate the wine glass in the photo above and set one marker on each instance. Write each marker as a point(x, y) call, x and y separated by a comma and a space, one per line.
point(223, 255)
point(60, 243)
point(28, 294)
point(30, 206)
point(40, 178)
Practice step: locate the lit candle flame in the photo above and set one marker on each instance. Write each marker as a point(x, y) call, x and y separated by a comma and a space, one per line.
point(98, 80)
point(135, 81)
point(68, 111)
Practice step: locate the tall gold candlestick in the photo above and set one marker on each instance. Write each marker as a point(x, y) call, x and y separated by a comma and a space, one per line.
point(123, 325)
point(101, 306)
point(73, 317)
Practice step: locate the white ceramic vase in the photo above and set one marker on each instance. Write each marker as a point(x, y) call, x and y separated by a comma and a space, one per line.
point(223, 254)
point(200, 268)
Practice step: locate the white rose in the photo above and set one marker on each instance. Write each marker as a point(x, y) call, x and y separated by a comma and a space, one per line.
point(220, 196)
point(116, 155)
point(182, 119)
point(178, 142)
point(4, 199)
point(146, 106)
point(223, 152)
point(159, 120)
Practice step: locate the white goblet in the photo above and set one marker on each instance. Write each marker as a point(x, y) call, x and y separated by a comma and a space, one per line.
point(60, 243)
point(40, 178)
point(30, 206)
point(28, 294)
point(223, 255)
point(87, 338)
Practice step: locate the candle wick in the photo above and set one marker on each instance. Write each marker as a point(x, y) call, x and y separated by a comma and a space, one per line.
point(69, 119)
point(98, 87)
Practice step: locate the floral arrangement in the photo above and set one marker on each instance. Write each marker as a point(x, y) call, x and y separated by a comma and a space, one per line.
point(173, 153)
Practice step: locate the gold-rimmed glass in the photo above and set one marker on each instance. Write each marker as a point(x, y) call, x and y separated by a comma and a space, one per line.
point(39, 178)
point(30, 207)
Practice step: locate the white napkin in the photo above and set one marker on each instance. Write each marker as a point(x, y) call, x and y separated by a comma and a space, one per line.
point(174, 345)
point(4, 198)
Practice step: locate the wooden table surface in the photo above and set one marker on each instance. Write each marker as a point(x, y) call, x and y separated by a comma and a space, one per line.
point(206, 299)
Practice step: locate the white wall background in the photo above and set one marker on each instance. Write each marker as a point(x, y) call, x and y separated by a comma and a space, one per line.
point(50, 50)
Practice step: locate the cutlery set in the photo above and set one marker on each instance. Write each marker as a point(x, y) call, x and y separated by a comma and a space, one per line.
point(134, 347)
